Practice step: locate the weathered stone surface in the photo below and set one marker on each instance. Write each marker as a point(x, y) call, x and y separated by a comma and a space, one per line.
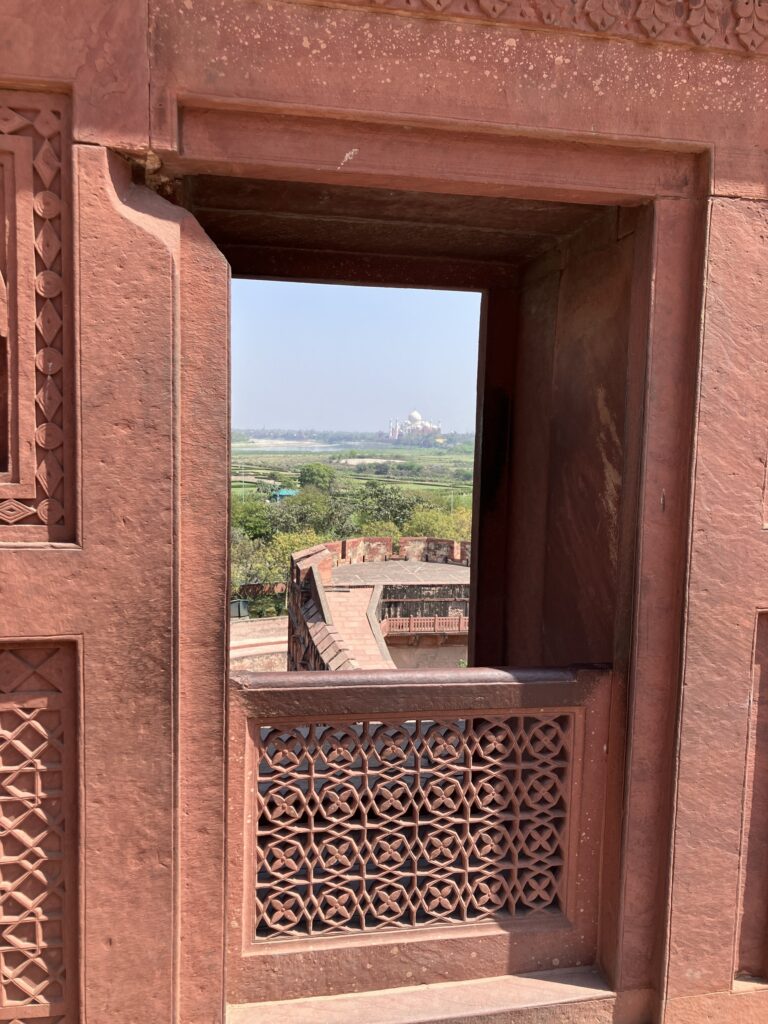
point(116, 549)
point(727, 584)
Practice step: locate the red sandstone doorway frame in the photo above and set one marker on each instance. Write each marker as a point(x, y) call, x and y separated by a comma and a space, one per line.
point(279, 145)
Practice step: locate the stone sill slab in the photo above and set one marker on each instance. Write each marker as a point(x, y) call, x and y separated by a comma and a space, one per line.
point(577, 996)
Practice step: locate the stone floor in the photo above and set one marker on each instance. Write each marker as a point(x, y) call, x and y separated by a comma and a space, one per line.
point(577, 994)
point(370, 573)
point(259, 645)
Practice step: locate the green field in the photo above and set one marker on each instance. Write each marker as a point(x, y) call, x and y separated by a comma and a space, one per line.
point(439, 472)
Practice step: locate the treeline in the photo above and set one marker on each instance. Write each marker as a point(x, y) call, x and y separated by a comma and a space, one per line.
point(324, 436)
point(264, 534)
point(241, 436)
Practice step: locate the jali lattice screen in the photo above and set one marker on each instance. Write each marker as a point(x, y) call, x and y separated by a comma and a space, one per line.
point(38, 832)
point(368, 825)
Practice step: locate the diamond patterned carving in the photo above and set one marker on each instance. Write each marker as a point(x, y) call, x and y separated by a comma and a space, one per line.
point(368, 826)
point(41, 119)
point(46, 163)
point(47, 244)
point(48, 322)
point(12, 511)
point(49, 473)
point(37, 786)
point(38, 1020)
point(11, 120)
point(47, 123)
point(49, 398)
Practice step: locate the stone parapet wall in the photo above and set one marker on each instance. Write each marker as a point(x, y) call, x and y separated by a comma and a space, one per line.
point(366, 549)
point(435, 549)
point(321, 558)
point(353, 550)
point(313, 642)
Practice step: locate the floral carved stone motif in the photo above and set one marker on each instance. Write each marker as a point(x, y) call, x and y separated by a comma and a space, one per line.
point(37, 855)
point(740, 25)
point(35, 304)
point(369, 826)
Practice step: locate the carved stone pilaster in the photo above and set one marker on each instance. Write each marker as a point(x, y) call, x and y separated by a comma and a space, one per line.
point(36, 476)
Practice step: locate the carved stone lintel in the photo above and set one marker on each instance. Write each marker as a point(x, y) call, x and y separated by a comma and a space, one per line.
point(752, 27)
point(737, 25)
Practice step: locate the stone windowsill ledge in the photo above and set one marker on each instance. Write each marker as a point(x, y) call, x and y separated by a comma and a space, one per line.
point(481, 1001)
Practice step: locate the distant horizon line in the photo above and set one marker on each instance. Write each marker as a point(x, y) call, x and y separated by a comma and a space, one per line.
point(328, 430)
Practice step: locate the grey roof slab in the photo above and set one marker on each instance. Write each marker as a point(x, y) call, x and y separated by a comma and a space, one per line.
point(370, 573)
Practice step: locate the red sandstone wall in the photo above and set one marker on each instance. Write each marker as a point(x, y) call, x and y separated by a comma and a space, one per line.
point(435, 549)
point(537, 330)
point(378, 549)
point(413, 547)
point(366, 549)
point(117, 589)
point(568, 449)
point(426, 653)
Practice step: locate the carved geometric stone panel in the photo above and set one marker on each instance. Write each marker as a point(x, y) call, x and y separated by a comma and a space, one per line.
point(370, 826)
point(737, 25)
point(38, 880)
point(36, 344)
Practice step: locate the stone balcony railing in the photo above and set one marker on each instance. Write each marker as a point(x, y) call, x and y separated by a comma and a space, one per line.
point(455, 816)
point(416, 624)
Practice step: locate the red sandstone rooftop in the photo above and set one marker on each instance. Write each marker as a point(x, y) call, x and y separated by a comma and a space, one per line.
point(349, 615)
point(355, 604)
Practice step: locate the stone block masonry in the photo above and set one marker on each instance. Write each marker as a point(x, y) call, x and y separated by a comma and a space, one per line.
point(596, 169)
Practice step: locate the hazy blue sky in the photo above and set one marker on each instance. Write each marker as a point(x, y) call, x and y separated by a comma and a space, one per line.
point(335, 357)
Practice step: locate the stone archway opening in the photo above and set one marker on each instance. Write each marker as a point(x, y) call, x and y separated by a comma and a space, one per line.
point(326, 454)
point(559, 436)
point(559, 281)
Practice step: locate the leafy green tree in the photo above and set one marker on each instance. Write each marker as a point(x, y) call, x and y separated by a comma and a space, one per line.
point(266, 606)
point(243, 560)
point(317, 474)
point(251, 514)
point(377, 502)
point(272, 561)
point(341, 521)
point(306, 510)
point(382, 528)
point(428, 521)
point(312, 509)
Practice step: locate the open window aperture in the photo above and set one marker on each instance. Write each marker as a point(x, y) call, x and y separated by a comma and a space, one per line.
point(558, 433)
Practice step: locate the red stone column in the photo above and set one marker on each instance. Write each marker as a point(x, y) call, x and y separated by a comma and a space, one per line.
point(728, 584)
point(121, 618)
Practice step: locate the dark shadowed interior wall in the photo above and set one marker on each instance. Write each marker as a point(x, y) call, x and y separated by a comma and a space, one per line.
point(568, 447)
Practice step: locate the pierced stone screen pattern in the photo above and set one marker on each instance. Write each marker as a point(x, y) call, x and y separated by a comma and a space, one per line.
point(38, 901)
point(367, 825)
